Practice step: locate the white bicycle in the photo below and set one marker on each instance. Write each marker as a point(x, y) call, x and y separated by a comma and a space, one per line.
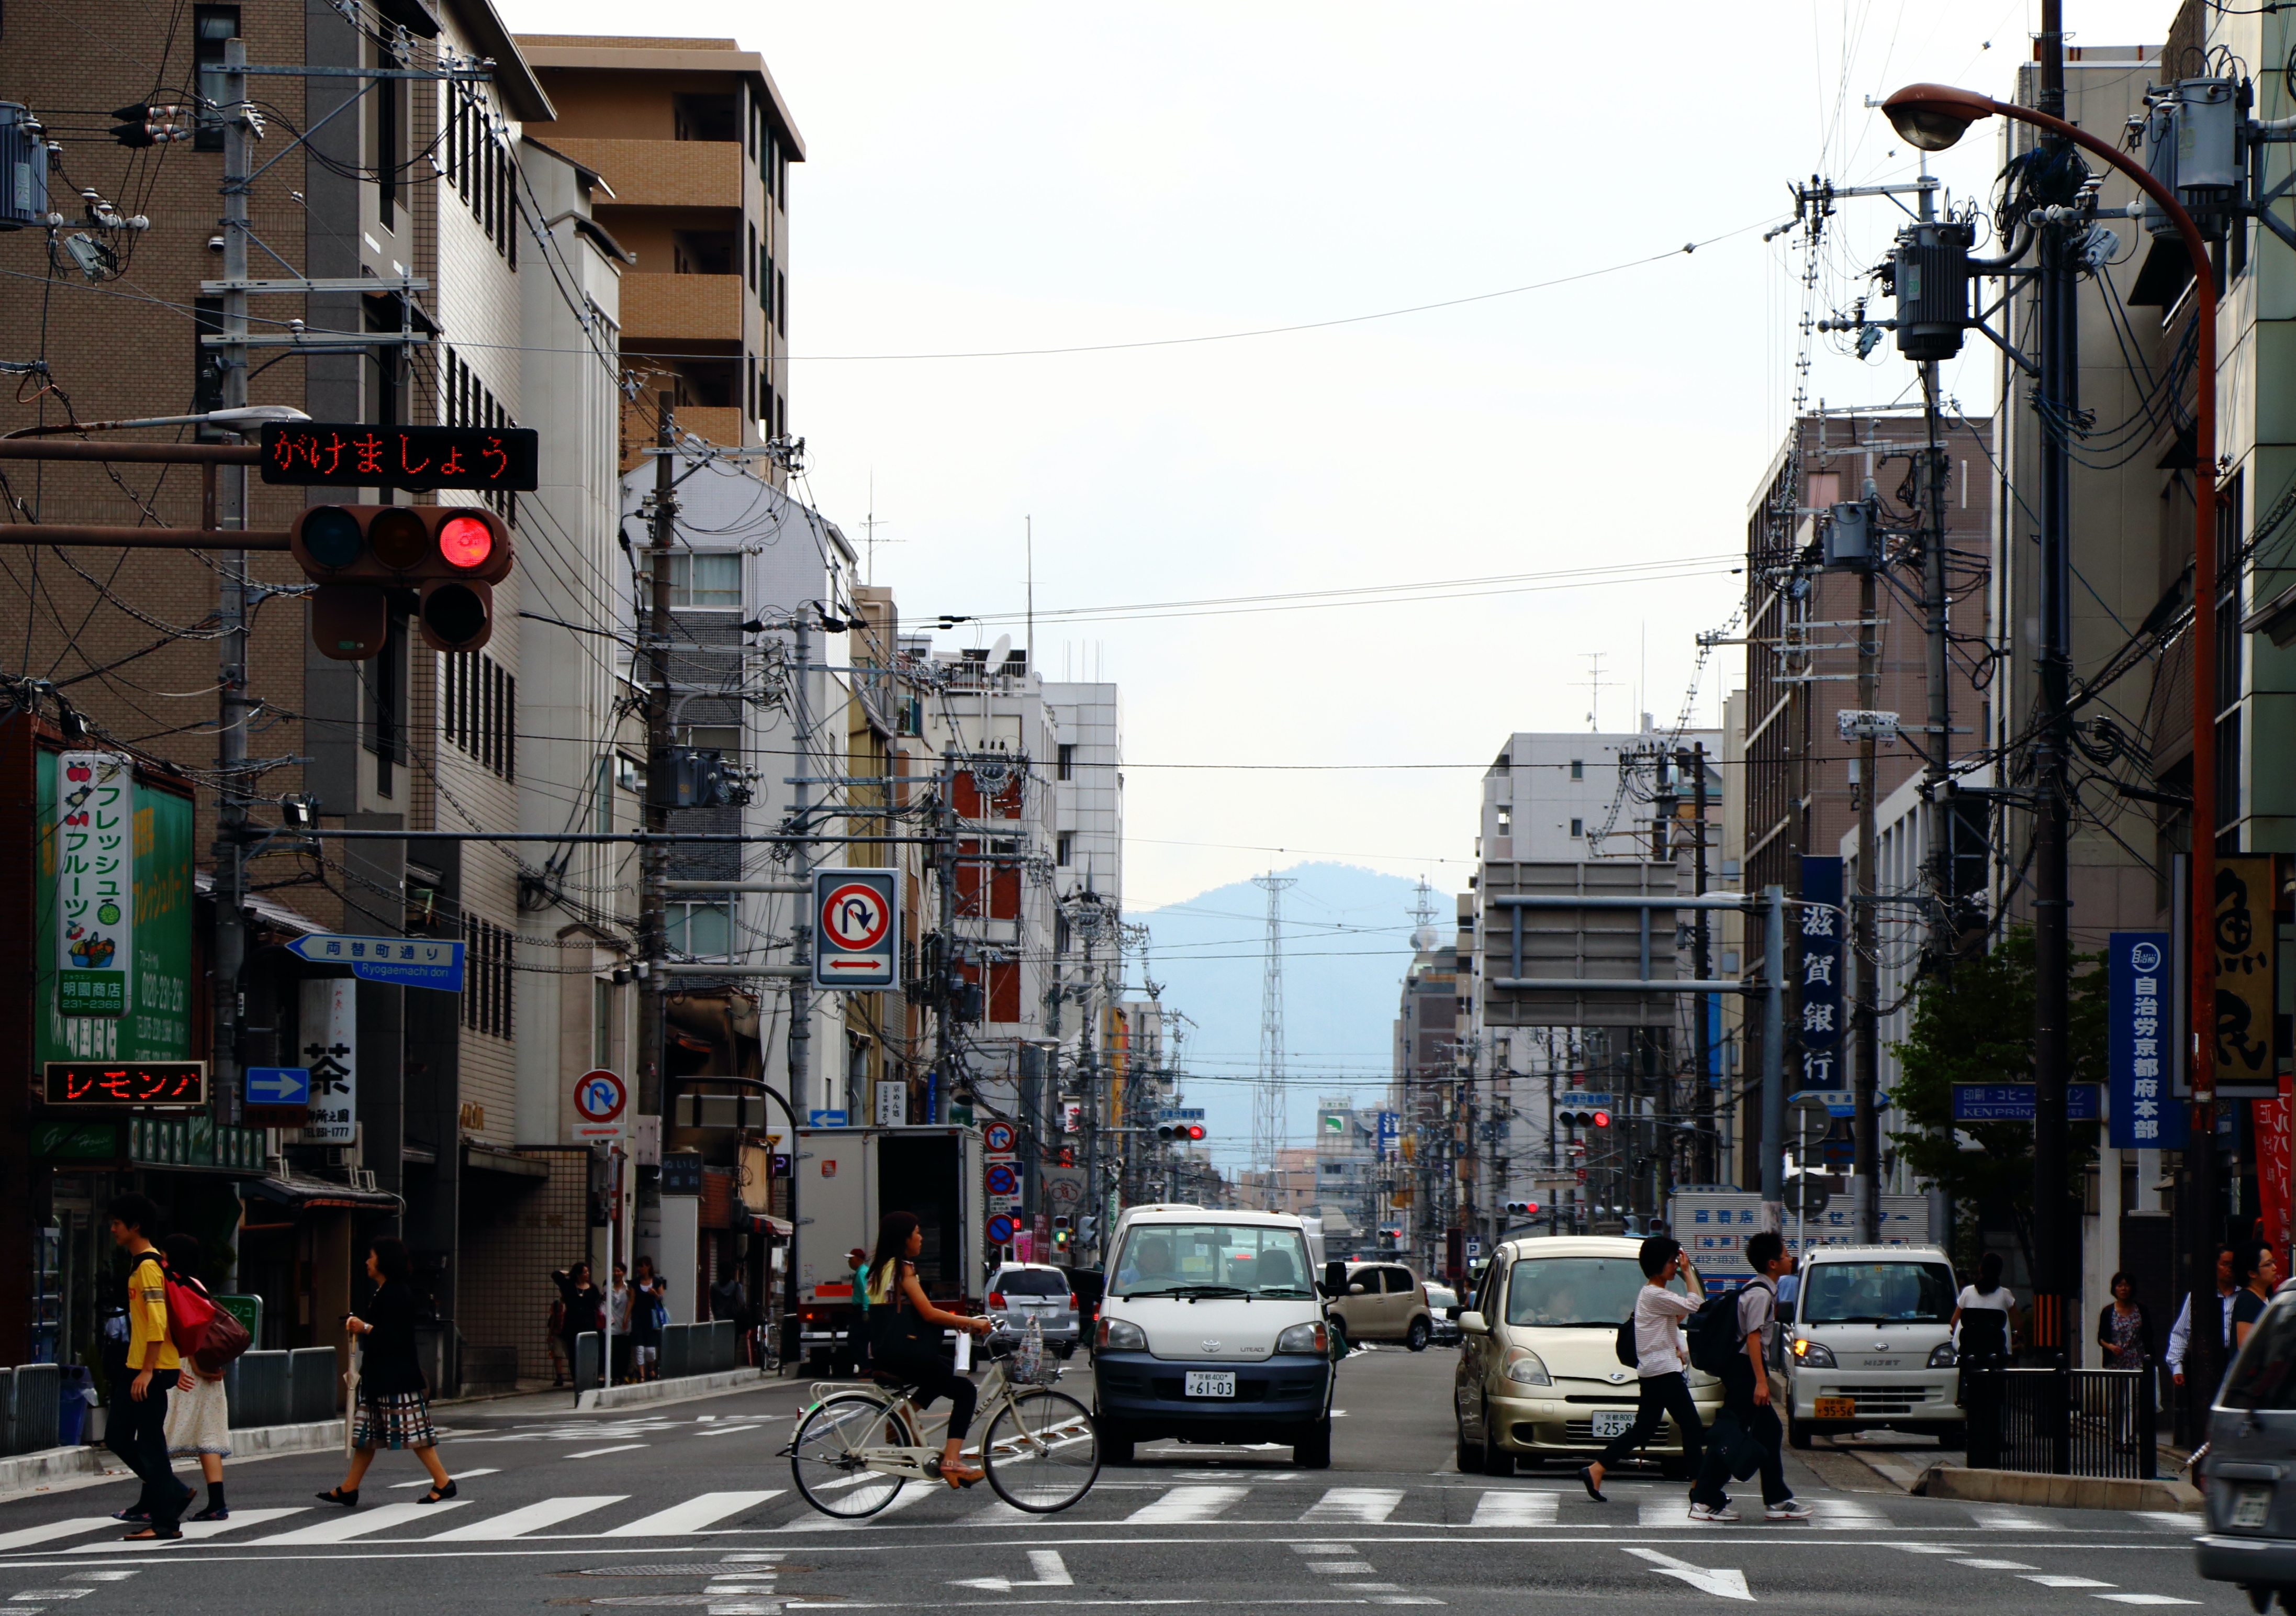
point(858, 1444)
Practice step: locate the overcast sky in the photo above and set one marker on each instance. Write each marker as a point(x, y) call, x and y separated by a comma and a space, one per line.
point(1007, 177)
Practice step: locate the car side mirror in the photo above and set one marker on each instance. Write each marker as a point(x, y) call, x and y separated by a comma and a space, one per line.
point(1354, 1290)
point(1472, 1323)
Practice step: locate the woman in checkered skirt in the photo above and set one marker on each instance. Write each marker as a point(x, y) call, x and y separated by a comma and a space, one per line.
point(393, 1409)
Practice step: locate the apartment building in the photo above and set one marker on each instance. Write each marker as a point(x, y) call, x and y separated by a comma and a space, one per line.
point(695, 139)
point(1429, 1019)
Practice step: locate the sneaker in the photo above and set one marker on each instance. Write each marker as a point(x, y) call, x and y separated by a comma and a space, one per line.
point(1709, 1512)
point(1786, 1509)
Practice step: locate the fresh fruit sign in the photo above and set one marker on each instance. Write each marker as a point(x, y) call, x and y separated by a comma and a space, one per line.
point(95, 883)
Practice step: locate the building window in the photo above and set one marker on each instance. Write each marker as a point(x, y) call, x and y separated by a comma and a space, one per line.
point(602, 816)
point(1578, 769)
point(706, 581)
point(753, 257)
point(487, 1002)
point(629, 774)
point(1507, 822)
point(601, 1025)
point(1067, 764)
point(478, 708)
point(700, 931)
point(1065, 848)
point(1578, 827)
point(212, 25)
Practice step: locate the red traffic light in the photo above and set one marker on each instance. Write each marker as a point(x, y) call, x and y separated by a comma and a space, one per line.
point(1602, 1118)
point(1195, 1130)
point(449, 553)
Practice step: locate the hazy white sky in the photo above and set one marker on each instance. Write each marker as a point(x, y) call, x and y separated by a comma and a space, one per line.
point(1037, 176)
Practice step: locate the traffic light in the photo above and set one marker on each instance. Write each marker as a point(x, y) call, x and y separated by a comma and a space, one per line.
point(449, 555)
point(1522, 1209)
point(1179, 1133)
point(1061, 1232)
point(1572, 1115)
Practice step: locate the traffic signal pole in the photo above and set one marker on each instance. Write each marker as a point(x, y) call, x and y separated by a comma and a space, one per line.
point(653, 857)
point(229, 488)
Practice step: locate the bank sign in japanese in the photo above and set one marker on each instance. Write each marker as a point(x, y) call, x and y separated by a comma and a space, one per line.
point(1818, 971)
point(112, 924)
point(2144, 1112)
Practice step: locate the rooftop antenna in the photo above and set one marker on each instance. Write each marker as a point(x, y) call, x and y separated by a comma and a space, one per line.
point(1595, 685)
point(869, 525)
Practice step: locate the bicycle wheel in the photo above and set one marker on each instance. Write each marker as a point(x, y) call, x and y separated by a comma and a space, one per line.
point(1042, 1451)
point(828, 1457)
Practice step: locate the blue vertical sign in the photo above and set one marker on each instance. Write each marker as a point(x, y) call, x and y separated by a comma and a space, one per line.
point(1818, 971)
point(1391, 1127)
point(2145, 1114)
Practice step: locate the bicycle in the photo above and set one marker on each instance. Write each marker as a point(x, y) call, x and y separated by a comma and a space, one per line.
point(858, 1444)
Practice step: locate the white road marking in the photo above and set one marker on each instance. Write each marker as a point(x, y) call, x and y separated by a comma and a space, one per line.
point(533, 1518)
point(2067, 1582)
point(1052, 1572)
point(1670, 1511)
point(2168, 1521)
point(1367, 1505)
point(460, 1475)
point(594, 1453)
point(194, 1530)
point(1847, 1515)
point(50, 1593)
point(106, 1576)
point(1928, 1548)
point(914, 1493)
point(1188, 1504)
point(1515, 1507)
point(701, 1509)
point(2002, 1520)
point(1722, 1583)
point(24, 1536)
point(1339, 1568)
point(1995, 1565)
point(360, 1523)
point(2143, 1599)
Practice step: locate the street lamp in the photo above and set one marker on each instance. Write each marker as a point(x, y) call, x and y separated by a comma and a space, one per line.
point(1930, 117)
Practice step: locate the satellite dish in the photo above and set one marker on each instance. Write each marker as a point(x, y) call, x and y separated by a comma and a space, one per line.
point(1423, 938)
point(996, 653)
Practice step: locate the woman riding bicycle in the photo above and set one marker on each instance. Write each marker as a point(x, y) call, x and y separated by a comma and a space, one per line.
point(904, 1337)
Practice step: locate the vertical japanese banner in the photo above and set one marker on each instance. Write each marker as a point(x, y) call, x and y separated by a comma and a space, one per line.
point(2244, 942)
point(95, 882)
point(2271, 1117)
point(330, 1047)
point(1818, 971)
point(2144, 1115)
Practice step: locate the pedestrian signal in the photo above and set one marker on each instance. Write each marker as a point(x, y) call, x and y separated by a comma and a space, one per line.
point(448, 555)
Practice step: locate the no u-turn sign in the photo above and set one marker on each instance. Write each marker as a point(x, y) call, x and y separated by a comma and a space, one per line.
point(856, 930)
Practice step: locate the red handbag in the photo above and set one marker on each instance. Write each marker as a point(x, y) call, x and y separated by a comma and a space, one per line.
point(207, 1336)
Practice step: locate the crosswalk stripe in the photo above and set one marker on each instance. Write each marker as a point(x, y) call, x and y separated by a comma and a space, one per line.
point(194, 1530)
point(533, 1518)
point(1368, 1505)
point(2169, 1521)
point(1512, 1507)
point(460, 1475)
point(1188, 1504)
point(915, 1492)
point(1663, 1511)
point(701, 1509)
point(361, 1523)
point(1847, 1515)
point(26, 1536)
point(2000, 1519)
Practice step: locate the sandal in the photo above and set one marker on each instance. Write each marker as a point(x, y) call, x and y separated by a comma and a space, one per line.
point(437, 1496)
point(153, 1534)
point(336, 1495)
point(962, 1476)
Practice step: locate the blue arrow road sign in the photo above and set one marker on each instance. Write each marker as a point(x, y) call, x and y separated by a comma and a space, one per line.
point(279, 1085)
point(406, 962)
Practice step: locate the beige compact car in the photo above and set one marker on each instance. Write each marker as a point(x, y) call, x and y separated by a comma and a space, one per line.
point(1383, 1302)
point(1538, 1375)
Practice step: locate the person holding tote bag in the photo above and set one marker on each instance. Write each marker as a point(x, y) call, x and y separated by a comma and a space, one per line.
point(392, 1409)
point(199, 1417)
point(905, 1337)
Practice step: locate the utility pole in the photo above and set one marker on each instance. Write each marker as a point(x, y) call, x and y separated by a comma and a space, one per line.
point(800, 1033)
point(2055, 1278)
point(653, 857)
point(1865, 1124)
point(230, 852)
point(1701, 940)
point(1773, 1036)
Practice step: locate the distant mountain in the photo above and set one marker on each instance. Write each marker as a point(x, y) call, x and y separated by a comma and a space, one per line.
point(1346, 944)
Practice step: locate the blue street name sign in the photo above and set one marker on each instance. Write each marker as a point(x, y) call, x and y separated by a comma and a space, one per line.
point(2014, 1102)
point(405, 962)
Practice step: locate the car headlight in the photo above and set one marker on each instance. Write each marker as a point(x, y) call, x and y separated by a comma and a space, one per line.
point(1525, 1367)
point(1122, 1335)
point(1813, 1355)
point(1941, 1356)
point(1304, 1338)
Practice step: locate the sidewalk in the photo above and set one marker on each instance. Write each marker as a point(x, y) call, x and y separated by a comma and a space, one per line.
point(1940, 1474)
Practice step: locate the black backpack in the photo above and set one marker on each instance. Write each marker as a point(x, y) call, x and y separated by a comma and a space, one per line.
point(1625, 1347)
point(1715, 1338)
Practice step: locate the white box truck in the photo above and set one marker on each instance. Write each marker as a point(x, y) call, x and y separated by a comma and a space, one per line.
point(848, 1179)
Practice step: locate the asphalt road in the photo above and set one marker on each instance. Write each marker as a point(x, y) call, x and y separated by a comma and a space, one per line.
point(688, 1507)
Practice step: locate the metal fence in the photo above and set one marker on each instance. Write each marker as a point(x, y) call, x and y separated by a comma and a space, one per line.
point(2063, 1422)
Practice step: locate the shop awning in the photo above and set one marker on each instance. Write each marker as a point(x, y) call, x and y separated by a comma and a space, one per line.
point(300, 1190)
point(488, 1158)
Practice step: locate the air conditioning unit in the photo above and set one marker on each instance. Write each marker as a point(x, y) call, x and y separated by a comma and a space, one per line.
point(363, 1178)
point(341, 1158)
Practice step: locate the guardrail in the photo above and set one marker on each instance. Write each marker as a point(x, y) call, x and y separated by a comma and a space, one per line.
point(2063, 1422)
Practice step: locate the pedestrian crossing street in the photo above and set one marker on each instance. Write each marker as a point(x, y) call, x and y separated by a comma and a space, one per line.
point(1122, 1498)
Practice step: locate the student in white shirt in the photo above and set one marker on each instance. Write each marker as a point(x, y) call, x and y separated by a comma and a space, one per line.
point(1660, 1357)
point(1980, 1313)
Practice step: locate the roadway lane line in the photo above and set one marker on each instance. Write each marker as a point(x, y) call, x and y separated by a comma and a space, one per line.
point(2067, 1582)
point(1847, 1515)
point(1188, 1504)
point(2002, 1520)
point(533, 1518)
point(594, 1453)
point(701, 1509)
point(23, 1536)
point(1367, 1505)
point(2143, 1599)
point(1516, 1507)
point(359, 1523)
point(915, 1492)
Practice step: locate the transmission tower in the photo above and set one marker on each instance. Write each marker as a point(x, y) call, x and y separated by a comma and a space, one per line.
point(1268, 1104)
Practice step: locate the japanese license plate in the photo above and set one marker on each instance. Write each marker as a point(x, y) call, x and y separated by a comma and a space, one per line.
point(1837, 1408)
point(1613, 1423)
point(1210, 1382)
point(2251, 1505)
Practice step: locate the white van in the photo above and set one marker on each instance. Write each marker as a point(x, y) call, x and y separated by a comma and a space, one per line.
point(1868, 1344)
point(1213, 1330)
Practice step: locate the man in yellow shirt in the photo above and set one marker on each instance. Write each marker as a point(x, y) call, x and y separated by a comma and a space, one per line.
point(138, 1429)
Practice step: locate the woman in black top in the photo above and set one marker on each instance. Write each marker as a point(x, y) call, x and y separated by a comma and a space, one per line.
point(2257, 1268)
point(582, 1302)
point(2124, 1329)
point(904, 1337)
point(393, 1410)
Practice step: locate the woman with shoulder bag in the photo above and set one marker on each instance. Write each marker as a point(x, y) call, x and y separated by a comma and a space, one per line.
point(393, 1409)
point(199, 1417)
point(905, 1337)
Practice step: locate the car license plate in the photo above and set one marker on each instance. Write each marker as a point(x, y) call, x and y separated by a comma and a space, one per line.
point(1837, 1408)
point(1614, 1422)
point(2252, 1505)
point(1210, 1382)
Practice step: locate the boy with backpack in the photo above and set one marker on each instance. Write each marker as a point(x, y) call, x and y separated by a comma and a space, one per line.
point(1660, 1357)
point(1738, 1360)
point(138, 1430)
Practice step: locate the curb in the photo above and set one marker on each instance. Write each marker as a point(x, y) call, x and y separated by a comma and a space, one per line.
point(674, 1392)
point(2058, 1492)
point(33, 1472)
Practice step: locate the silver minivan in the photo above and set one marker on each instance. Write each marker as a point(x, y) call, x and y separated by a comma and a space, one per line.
point(1023, 1292)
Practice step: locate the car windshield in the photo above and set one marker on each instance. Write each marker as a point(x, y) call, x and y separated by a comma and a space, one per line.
point(2264, 1375)
point(1876, 1294)
point(1030, 1281)
point(1567, 1292)
point(1441, 1296)
point(1211, 1259)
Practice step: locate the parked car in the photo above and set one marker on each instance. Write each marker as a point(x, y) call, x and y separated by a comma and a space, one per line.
point(1868, 1345)
point(1538, 1375)
point(2248, 1486)
point(1443, 1315)
point(1384, 1302)
point(1022, 1293)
